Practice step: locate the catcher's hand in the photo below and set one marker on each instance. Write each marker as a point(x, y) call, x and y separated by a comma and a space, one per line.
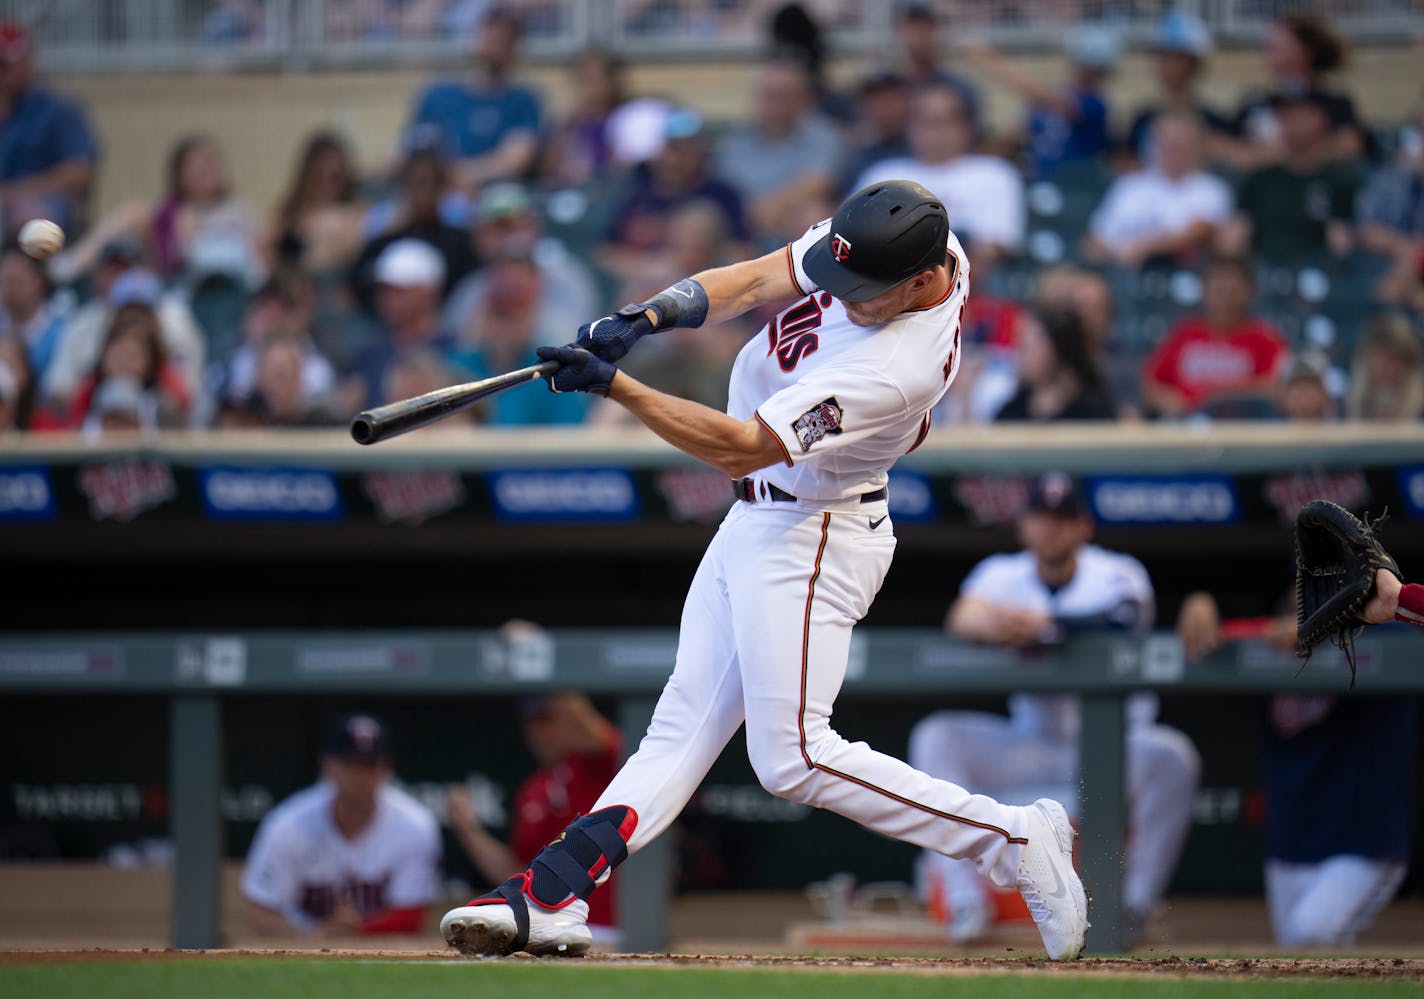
point(1337, 557)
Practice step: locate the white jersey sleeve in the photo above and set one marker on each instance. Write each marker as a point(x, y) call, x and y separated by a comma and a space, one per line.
point(835, 408)
point(796, 251)
point(271, 876)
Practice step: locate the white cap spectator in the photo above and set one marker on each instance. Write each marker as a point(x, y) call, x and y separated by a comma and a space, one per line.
point(410, 263)
point(1094, 47)
point(1182, 32)
point(135, 286)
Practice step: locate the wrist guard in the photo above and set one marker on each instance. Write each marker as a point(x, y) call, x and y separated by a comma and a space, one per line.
point(684, 304)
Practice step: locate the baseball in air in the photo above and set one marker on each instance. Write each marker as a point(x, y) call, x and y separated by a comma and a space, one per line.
point(41, 238)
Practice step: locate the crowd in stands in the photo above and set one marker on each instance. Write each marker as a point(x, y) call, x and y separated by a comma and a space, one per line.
point(1170, 261)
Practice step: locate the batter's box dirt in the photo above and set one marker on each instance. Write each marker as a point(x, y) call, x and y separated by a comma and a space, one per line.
point(1360, 969)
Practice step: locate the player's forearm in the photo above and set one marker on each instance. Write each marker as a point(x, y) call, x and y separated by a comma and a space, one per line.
point(731, 445)
point(750, 284)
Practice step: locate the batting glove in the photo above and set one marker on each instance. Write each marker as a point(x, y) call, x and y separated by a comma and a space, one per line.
point(611, 337)
point(580, 371)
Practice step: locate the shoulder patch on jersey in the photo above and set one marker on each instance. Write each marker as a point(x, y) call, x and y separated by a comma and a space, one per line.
point(817, 423)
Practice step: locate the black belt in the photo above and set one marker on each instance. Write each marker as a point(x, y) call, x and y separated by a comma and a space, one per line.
point(745, 489)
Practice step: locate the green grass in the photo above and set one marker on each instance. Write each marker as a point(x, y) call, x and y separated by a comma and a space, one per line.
point(344, 978)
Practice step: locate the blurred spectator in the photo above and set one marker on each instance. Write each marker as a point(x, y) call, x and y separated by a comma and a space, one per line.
point(133, 385)
point(1386, 377)
point(1085, 292)
point(507, 320)
point(1179, 52)
point(1166, 211)
point(1390, 216)
point(1300, 50)
point(281, 310)
point(17, 388)
point(118, 279)
point(351, 854)
point(984, 195)
point(197, 230)
point(409, 275)
point(879, 130)
point(676, 176)
point(1300, 208)
point(27, 311)
point(1305, 391)
point(318, 223)
point(230, 22)
point(507, 225)
point(420, 211)
point(201, 227)
point(48, 152)
point(1058, 376)
point(1060, 584)
point(1224, 351)
point(486, 124)
point(578, 752)
point(1065, 124)
point(785, 162)
point(919, 41)
point(796, 34)
point(579, 147)
point(281, 397)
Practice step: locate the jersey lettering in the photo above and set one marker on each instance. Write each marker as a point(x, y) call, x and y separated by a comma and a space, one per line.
point(792, 334)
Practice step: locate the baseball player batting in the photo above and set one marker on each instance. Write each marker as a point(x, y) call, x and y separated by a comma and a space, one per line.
point(837, 386)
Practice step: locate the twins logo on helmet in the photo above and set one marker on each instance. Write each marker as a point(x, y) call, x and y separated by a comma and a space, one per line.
point(840, 248)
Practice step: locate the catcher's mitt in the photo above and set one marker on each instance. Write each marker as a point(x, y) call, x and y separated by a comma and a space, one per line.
point(1336, 556)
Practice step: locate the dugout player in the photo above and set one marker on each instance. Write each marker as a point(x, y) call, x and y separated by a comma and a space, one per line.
point(350, 854)
point(836, 387)
point(1057, 585)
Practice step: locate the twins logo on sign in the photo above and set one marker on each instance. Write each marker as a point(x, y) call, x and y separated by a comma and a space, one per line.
point(818, 422)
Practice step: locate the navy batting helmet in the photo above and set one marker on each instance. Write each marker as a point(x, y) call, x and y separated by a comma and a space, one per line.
point(881, 236)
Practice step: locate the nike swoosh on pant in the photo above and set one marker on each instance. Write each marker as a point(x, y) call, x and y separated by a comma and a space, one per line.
point(876, 523)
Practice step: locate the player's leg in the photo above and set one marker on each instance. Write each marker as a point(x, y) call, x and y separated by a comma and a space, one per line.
point(1162, 772)
point(988, 753)
point(543, 910)
point(805, 582)
point(1338, 899)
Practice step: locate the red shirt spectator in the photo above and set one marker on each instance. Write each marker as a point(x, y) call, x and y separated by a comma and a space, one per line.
point(1224, 351)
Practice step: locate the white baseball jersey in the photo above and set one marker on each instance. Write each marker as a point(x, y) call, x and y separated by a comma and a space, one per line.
point(766, 628)
point(302, 866)
point(846, 401)
point(1105, 583)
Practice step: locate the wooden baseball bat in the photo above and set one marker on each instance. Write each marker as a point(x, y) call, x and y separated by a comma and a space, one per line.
point(396, 418)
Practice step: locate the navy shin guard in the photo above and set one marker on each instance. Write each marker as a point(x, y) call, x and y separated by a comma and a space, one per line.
point(571, 866)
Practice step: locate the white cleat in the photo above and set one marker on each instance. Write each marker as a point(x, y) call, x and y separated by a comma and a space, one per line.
point(491, 930)
point(1049, 884)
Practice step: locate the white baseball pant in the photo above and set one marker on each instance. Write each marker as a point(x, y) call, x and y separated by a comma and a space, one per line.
point(1327, 904)
point(764, 639)
point(991, 752)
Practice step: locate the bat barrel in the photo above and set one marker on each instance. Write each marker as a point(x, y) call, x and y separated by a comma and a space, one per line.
point(395, 418)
